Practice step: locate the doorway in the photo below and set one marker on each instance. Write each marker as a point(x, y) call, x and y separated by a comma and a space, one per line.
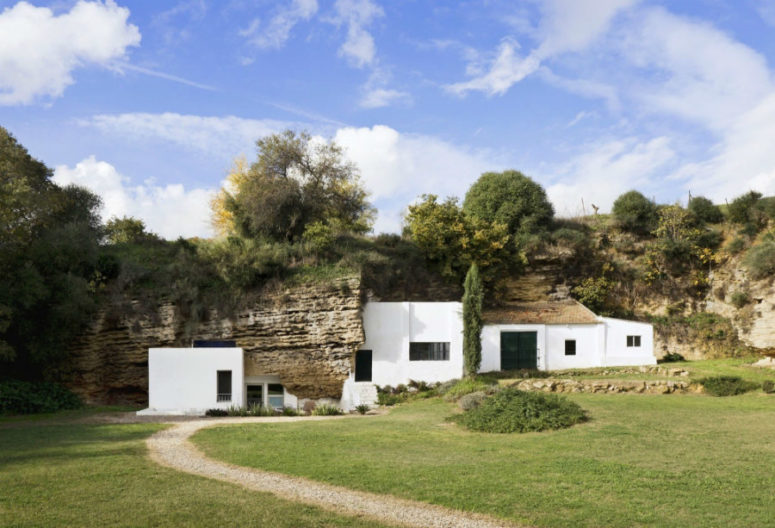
point(519, 350)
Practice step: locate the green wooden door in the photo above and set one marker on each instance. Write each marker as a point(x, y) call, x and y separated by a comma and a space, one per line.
point(518, 350)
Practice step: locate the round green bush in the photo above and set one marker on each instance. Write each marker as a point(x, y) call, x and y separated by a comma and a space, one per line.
point(514, 411)
point(635, 213)
point(727, 385)
point(705, 210)
point(509, 198)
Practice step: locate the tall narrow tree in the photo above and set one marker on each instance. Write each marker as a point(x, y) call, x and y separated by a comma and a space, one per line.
point(473, 297)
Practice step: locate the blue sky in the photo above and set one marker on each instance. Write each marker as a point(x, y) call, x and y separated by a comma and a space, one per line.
point(148, 103)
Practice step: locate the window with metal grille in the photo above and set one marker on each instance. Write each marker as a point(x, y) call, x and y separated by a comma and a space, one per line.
point(224, 386)
point(429, 351)
point(570, 347)
point(633, 341)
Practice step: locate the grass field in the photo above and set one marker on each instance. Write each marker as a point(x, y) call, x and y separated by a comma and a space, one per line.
point(641, 460)
point(99, 475)
point(697, 370)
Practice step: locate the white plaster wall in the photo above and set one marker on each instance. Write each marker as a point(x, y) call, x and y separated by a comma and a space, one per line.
point(491, 344)
point(185, 380)
point(589, 346)
point(389, 328)
point(356, 393)
point(618, 354)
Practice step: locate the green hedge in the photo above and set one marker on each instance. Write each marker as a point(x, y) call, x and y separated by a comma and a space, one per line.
point(727, 385)
point(24, 397)
point(515, 411)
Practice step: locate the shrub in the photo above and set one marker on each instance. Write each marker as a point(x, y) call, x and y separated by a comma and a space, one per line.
point(635, 213)
point(389, 399)
point(290, 411)
point(705, 210)
point(327, 410)
point(23, 397)
point(743, 210)
point(469, 401)
point(421, 386)
point(459, 388)
point(363, 408)
point(515, 411)
point(760, 260)
point(727, 385)
point(768, 386)
point(739, 299)
point(672, 357)
point(509, 198)
point(216, 412)
point(251, 410)
point(735, 246)
point(594, 293)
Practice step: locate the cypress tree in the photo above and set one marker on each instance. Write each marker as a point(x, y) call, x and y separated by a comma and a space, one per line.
point(473, 296)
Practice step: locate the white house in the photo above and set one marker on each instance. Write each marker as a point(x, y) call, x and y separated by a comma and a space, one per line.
point(421, 341)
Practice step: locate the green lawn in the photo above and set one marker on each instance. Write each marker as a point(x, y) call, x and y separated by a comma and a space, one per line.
point(697, 370)
point(641, 461)
point(99, 475)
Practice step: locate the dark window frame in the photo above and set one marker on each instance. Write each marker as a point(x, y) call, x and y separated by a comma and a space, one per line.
point(429, 351)
point(633, 341)
point(222, 395)
point(570, 351)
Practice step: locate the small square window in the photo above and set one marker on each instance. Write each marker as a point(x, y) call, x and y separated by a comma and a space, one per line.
point(570, 347)
point(633, 341)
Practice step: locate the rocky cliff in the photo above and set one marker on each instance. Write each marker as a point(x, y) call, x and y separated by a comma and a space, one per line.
point(306, 335)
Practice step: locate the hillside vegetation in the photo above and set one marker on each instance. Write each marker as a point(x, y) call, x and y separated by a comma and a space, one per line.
point(299, 213)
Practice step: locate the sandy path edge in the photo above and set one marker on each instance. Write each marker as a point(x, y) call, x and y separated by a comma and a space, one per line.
point(171, 448)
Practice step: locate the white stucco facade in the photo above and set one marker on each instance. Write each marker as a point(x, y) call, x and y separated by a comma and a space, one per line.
point(185, 380)
point(618, 354)
point(390, 327)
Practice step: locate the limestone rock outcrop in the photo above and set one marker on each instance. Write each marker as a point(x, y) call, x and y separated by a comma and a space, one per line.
point(306, 335)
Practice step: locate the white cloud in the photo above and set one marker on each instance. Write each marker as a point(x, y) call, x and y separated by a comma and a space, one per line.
point(506, 69)
point(358, 48)
point(40, 50)
point(566, 26)
point(745, 158)
point(278, 30)
point(584, 87)
point(224, 136)
point(396, 168)
point(376, 93)
point(605, 171)
point(379, 97)
point(692, 69)
point(169, 210)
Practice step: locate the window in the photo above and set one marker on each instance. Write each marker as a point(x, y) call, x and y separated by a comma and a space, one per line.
point(428, 351)
point(633, 341)
point(363, 365)
point(570, 347)
point(224, 386)
point(275, 395)
point(255, 395)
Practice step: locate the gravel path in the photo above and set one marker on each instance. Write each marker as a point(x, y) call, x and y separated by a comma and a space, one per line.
point(171, 448)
